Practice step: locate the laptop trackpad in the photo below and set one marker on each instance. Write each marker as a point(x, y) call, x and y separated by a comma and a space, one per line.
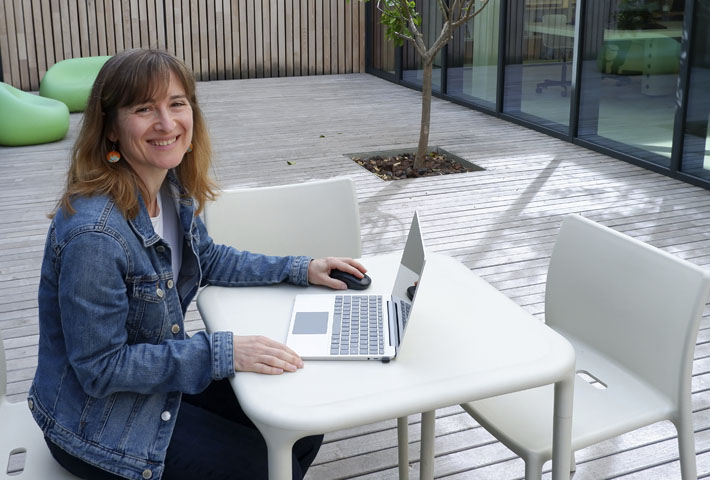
point(310, 323)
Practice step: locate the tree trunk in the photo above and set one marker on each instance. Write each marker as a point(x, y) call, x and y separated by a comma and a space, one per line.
point(426, 113)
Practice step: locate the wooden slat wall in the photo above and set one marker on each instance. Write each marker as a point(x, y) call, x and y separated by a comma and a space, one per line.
point(218, 39)
point(383, 50)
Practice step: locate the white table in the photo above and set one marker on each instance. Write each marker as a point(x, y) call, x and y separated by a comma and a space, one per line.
point(496, 348)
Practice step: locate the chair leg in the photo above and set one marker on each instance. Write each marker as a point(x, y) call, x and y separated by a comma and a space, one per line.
point(403, 447)
point(533, 469)
point(563, 82)
point(564, 76)
point(686, 448)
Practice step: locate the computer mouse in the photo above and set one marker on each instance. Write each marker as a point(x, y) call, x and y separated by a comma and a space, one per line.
point(351, 280)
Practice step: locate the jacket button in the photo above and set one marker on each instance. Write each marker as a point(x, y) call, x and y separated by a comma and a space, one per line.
point(160, 293)
point(31, 403)
point(160, 248)
point(165, 416)
point(147, 473)
point(175, 329)
point(170, 284)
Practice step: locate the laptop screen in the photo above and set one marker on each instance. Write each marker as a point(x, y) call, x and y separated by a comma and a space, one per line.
point(412, 262)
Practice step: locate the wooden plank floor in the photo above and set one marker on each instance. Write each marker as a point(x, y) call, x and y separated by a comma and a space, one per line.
point(500, 222)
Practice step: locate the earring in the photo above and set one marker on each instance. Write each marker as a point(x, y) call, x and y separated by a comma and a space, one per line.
point(113, 156)
point(189, 149)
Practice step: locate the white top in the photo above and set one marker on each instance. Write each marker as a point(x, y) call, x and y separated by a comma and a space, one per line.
point(167, 225)
point(157, 221)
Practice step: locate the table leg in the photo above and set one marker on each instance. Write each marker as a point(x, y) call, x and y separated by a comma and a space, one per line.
point(403, 447)
point(280, 446)
point(426, 457)
point(562, 429)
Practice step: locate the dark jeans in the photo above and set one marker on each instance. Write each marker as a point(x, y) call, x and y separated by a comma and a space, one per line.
point(213, 440)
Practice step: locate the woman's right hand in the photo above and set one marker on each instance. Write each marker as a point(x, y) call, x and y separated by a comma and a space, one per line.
point(263, 355)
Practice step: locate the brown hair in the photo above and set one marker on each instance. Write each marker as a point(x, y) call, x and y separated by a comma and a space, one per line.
point(129, 78)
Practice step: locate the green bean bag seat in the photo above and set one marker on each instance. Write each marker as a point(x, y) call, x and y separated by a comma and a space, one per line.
point(27, 119)
point(70, 81)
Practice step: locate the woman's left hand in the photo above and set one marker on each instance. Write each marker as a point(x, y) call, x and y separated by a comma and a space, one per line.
point(319, 271)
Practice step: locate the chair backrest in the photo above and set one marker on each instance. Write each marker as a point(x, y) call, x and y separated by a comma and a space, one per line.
point(556, 40)
point(318, 219)
point(630, 301)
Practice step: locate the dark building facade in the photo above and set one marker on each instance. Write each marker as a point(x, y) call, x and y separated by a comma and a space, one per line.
point(629, 78)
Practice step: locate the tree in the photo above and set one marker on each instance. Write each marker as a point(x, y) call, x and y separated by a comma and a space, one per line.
point(402, 22)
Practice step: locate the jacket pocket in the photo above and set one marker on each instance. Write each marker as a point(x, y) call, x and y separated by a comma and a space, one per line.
point(147, 311)
point(148, 289)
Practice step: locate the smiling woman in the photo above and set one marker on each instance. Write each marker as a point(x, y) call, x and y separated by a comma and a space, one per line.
point(154, 136)
point(149, 90)
point(125, 255)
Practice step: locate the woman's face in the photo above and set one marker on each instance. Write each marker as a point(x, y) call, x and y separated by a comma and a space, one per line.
point(154, 136)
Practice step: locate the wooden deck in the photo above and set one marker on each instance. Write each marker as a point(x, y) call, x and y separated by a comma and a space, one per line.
point(500, 222)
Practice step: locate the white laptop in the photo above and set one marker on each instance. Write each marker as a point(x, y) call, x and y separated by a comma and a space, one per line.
point(341, 326)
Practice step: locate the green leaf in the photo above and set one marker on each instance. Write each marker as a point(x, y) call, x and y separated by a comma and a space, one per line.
point(289, 162)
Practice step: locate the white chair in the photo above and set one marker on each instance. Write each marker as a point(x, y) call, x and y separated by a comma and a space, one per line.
point(21, 437)
point(318, 219)
point(631, 311)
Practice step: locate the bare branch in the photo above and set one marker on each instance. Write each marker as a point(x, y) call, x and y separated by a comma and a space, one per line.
point(418, 38)
point(444, 37)
point(444, 9)
point(419, 41)
point(467, 4)
point(405, 37)
point(467, 15)
point(454, 7)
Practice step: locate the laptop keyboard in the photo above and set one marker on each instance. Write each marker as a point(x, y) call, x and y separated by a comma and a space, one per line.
point(357, 325)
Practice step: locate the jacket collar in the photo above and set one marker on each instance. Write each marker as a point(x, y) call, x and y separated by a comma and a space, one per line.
point(142, 225)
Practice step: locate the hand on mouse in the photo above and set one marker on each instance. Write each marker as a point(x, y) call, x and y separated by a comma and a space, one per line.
point(319, 271)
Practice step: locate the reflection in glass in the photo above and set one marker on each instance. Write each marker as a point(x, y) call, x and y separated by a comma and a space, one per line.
point(630, 74)
point(696, 144)
point(539, 61)
point(432, 22)
point(382, 53)
point(473, 58)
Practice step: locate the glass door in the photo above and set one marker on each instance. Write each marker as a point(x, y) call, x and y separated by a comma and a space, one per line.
point(539, 59)
point(473, 57)
point(696, 142)
point(630, 76)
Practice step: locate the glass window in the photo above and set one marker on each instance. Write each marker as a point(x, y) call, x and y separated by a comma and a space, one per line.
point(539, 61)
point(630, 75)
point(432, 22)
point(382, 53)
point(473, 58)
point(696, 145)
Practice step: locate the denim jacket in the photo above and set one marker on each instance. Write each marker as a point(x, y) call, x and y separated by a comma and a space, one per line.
point(113, 355)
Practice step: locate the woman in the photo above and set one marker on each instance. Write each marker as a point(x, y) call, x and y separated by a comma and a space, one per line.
point(120, 391)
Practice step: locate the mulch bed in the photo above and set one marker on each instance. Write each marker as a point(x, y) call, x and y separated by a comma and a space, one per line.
point(399, 167)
